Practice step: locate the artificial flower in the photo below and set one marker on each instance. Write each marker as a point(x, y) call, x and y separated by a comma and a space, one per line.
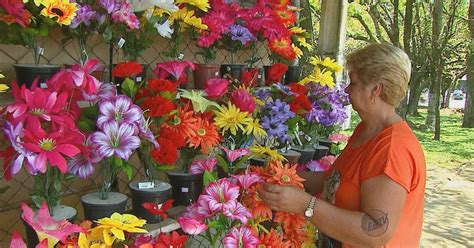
point(84, 15)
point(188, 17)
point(297, 50)
point(247, 180)
point(271, 239)
point(173, 68)
point(158, 106)
point(241, 33)
point(240, 237)
point(47, 227)
point(158, 209)
point(262, 151)
point(201, 4)
point(303, 43)
point(283, 48)
point(258, 208)
point(327, 62)
point(275, 73)
point(315, 166)
point(220, 194)
point(166, 153)
point(292, 223)
point(115, 226)
point(183, 123)
point(216, 87)
point(161, 85)
point(284, 175)
point(166, 240)
point(324, 78)
point(233, 155)
point(164, 5)
point(255, 129)
point(250, 77)
point(15, 12)
point(12, 164)
point(338, 137)
point(236, 211)
point(243, 100)
point(200, 103)
point(191, 226)
point(231, 118)
point(124, 14)
point(205, 135)
point(198, 166)
point(62, 11)
point(164, 29)
point(115, 140)
point(285, 16)
point(127, 69)
point(82, 76)
point(120, 110)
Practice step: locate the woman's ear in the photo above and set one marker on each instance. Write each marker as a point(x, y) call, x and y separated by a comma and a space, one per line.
point(377, 89)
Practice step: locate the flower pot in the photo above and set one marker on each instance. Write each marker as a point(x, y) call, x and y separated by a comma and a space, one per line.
point(320, 151)
point(307, 154)
point(96, 208)
point(328, 144)
point(293, 74)
point(204, 72)
point(158, 194)
point(292, 156)
point(138, 78)
point(260, 162)
point(234, 70)
point(60, 212)
point(27, 73)
point(186, 187)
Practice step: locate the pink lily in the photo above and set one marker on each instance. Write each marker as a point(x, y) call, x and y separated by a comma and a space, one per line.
point(46, 227)
point(247, 180)
point(233, 155)
point(198, 166)
point(236, 211)
point(191, 226)
point(338, 137)
point(50, 147)
point(17, 242)
point(82, 76)
point(219, 194)
point(240, 237)
point(174, 68)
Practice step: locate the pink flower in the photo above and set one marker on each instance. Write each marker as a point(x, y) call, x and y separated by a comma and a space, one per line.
point(243, 100)
point(314, 166)
point(216, 87)
point(17, 241)
point(327, 160)
point(220, 193)
point(191, 226)
point(240, 237)
point(232, 155)
point(338, 137)
point(173, 68)
point(247, 180)
point(236, 211)
point(198, 166)
point(46, 227)
point(82, 76)
point(125, 15)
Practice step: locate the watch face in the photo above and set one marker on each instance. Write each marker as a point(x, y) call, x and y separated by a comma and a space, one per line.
point(308, 213)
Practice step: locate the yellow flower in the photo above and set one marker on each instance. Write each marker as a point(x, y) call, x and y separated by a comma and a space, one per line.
point(303, 43)
point(62, 11)
point(255, 128)
point(297, 30)
point(297, 50)
point(231, 118)
point(159, 12)
point(187, 16)
point(261, 151)
point(3, 87)
point(201, 4)
point(328, 63)
point(324, 78)
point(113, 228)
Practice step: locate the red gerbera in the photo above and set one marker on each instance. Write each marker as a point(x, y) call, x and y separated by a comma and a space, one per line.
point(158, 209)
point(285, 16)
point(127, 69)
point(283, 48)
point(275, 73)
point(158, 106)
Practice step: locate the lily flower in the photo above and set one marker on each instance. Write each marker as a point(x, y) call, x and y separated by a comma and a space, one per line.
point(116, 140)
point(158, 209)
point(191, 226)
point(174, 68)
point(219, 194)
point(164, 29)
point(236, 211)
point(171, 240)
point(82, 76)
point(233, 155)
point(115, 226)
point(198, 166)
point(120, 110)
point(247, 180)
point(240, 237)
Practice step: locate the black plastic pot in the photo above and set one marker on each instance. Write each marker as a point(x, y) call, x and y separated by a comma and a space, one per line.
point(96, 208)
point(60, 212)
point(293, 74)
point(328, 144)
point(260, 162)
point(186, 187)
point(158, 194)
point(320, 151)
point(27, 73)
point(291, 156)
point(307, 154)
point(234, 70)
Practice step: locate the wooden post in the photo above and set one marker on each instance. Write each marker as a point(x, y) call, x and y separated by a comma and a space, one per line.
point(332, 33)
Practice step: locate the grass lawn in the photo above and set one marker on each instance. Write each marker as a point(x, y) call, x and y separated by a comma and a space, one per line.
point(455, 147)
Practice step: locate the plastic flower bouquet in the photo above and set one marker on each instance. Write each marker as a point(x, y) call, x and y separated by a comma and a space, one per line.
point(26, 22)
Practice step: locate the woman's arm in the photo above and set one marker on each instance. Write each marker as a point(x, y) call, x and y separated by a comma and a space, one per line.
point(314, 181)
point(382, 202)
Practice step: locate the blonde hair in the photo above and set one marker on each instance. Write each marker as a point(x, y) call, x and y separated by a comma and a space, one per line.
point(382, 63)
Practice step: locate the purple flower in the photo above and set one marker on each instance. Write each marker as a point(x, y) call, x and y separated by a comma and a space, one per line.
point(106, 92)
point(263, 94)
point(280, 109)
point(146, 133)
point(274, 128)
point(241, 34)
point(13, 133)
point(116, 140)
point(85, 14)
point(240, 237)
point(236, 211)
point(284, 89)
point(109, 5)
point(80, 166)
point(121, 110)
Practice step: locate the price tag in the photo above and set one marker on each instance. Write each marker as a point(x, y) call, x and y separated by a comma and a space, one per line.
point(185, 190)
point(181, 56)
point(138, 79)
point(146, 185)
point(40, 50)
point(121, 42)
point(43, 85)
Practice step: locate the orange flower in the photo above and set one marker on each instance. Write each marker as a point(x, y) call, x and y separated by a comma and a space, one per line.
point(271, 239)
point(205, 135)
point(292, 224)
point(283, 48)
point(258, 208)
point(279, 3)
point(286, 17)
point(184, 123)
point(284, 175)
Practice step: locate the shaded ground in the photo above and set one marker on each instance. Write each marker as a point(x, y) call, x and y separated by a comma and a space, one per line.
point(449, 207)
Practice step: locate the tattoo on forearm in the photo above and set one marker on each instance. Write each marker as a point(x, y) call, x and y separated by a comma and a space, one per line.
point(374, 222)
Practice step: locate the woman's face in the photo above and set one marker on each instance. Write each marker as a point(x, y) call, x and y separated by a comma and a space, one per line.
point(359, 93)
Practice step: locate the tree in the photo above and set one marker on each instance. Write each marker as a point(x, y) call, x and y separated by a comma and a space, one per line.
point(468, 120)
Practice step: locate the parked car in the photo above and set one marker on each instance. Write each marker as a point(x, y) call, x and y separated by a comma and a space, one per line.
point(458, 95)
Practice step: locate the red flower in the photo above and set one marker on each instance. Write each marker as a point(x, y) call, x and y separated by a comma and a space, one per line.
point(127, 70)
point(243, 100)
point(285, 16)
point(167, 153)
point(300, 105)
point(216, 87)
point(161, 85)
point(283, 48)
point(15, 12)
point(275, 73)
point(298, 89)
point(250, 77)
point(158, 106)
point(171, 135)
point(158, 209)
point(174, 240)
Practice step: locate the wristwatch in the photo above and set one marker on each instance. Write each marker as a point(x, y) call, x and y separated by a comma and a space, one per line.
point(308, 213)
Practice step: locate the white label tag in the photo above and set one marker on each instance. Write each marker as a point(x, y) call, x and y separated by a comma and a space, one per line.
point(40, 50)
point(121, 42)
point(43, 85)
point(184, 190)
point(138, 79)
point(146, 185)
point(181, 56)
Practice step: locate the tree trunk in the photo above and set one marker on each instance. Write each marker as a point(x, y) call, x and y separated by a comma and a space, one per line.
point(432, 105)
point(438, 63)
point(415, 94)
point(468, 120)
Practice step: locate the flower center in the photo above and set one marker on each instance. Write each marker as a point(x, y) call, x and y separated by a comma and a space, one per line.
point(281, 44)
point(118, 116)
point(37, 111)
point(47, 144)
point(201, 131)
point(57, 11)
point(114, 141)
point(286, 178)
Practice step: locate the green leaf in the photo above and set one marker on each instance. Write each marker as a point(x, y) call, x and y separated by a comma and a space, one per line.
point(128, 169)
point(129, 87)
point(208, 178)
point(222, 163)
point(117, 162)
point(216, 224)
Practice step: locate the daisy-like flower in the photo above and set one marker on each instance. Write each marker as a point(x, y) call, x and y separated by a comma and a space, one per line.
point(271, 239)
point(120, 110)
point(232, 119)
point(284, 175)
point(292, 223)
point(219, 194)
point(205, 135)
point(258, 208)
point(255, 129)
point(184, 123)
point(62, 11)
point(188, 17)
point(115, 139)
point(115, 226)
point(285, 16)
point(201, 4)
point(327, 62)
point(240, 237)
point(262, 151)
point(283, 48)
point(322, 77)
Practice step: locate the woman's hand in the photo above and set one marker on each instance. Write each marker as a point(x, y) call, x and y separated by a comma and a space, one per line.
point(285, 198)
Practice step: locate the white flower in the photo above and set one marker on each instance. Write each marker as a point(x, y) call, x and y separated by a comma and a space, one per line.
point(141, 5)
point(164, 29)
